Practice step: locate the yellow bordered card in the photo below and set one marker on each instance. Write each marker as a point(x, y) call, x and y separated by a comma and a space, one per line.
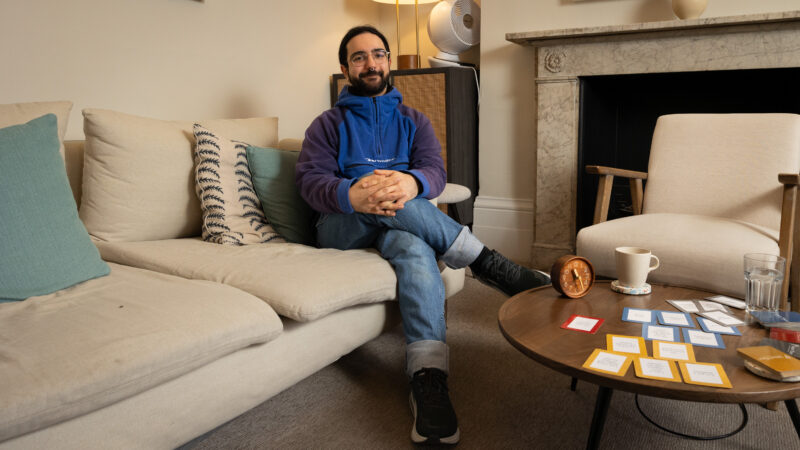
point(675, 351)
point(608, 362)
point(656, 369)
point(704, 374)
point(626, 344)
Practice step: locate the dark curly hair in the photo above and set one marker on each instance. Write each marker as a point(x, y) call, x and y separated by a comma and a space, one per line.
point(353, 32)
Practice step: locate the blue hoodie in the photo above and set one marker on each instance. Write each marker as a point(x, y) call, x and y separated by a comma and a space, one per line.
point(361, 134)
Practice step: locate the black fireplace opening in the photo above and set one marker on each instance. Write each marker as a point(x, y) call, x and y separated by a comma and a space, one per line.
point(618, 114)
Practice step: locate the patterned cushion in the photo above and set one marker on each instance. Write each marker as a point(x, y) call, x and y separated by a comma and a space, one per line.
point(231, 210)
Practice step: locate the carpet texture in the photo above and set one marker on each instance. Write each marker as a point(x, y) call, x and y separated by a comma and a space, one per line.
point(503, 400)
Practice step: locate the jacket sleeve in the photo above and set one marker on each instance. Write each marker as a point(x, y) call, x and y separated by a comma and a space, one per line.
point(425, 161)
point(317, 174)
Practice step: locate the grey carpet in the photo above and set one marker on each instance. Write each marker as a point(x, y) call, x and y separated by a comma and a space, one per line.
point(503, 400)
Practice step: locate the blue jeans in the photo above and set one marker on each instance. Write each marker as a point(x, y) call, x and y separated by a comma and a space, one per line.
point(411, 241)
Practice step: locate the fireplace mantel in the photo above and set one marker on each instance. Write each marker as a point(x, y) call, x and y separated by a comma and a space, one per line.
point(562, 56)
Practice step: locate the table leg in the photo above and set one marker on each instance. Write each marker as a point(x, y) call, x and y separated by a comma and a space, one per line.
point(599, 418)
point(791, 406)
point(573, 384)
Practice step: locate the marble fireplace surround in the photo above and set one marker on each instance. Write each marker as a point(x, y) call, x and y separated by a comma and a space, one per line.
point(562, 56)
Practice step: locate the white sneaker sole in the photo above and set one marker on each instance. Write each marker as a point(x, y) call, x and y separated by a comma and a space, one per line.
point(419, 439)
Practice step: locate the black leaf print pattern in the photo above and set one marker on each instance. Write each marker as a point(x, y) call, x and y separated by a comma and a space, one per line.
point(239, 220)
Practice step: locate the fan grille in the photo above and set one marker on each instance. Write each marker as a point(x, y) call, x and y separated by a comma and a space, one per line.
point(463, 21)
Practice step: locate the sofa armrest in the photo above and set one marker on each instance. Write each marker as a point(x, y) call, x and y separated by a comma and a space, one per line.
point(452, 193)
point(290, 144)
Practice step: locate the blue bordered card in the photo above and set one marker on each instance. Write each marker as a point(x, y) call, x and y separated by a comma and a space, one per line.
point(702, 338)
point(638, 315)
point(710, 326)
point(659, 333)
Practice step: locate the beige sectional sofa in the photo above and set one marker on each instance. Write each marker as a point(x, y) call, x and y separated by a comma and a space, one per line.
point(182, 335)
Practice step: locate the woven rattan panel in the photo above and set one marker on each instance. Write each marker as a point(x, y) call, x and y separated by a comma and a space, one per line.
point(426, 94)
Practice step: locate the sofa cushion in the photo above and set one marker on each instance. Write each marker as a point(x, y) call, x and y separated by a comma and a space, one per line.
point(715, 261)
point(231, 210)
point(18, 113)
point(138, 173)
point(299, 282)
point(44, 246)
point(85, 347)
point(273, 180)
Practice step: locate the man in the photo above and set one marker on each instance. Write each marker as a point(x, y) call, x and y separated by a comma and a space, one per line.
point(368, 166)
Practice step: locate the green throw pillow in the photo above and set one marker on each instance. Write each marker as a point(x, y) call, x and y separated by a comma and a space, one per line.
point(44, 246)
point(273, 180)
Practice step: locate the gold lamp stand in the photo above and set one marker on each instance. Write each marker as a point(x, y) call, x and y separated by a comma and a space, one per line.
point(407, 61)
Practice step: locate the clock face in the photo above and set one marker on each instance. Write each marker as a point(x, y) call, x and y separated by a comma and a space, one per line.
point(572, 276)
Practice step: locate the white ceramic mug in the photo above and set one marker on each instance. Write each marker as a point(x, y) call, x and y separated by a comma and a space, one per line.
point(633, 265)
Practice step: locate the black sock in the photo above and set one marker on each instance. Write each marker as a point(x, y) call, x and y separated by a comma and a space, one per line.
point(475, 265)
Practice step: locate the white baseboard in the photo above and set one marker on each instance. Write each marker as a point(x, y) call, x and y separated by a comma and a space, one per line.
point(506, 225)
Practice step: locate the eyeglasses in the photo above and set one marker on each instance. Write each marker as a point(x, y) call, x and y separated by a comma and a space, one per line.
point(360, 58)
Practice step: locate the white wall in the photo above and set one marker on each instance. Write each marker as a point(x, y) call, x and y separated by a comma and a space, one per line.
point(507, 141)
point(177, 59)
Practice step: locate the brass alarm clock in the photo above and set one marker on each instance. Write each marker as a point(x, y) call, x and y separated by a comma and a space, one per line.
point(572, 276)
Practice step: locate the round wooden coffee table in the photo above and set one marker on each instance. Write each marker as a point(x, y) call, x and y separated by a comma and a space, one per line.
point(531, 322)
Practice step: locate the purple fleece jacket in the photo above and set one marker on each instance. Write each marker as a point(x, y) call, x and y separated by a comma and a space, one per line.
point(361, 134)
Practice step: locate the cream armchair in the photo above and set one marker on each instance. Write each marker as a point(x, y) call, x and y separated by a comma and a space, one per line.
point(713, 193)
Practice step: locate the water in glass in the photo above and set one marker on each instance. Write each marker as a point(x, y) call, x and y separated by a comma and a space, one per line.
point(763, 289)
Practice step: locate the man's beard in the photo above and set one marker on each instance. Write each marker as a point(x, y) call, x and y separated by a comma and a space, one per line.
point(360, 87)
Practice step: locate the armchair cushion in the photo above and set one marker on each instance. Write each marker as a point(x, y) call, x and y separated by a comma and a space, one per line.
point(696, 251)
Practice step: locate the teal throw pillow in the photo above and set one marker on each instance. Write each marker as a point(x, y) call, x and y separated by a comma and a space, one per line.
point(44, 247)
point(273, 180)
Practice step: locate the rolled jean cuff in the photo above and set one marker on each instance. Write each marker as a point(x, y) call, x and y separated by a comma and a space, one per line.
point(428, 353)
point(463, 251)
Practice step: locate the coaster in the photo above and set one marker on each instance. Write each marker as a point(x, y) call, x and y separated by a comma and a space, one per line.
point(621, 288)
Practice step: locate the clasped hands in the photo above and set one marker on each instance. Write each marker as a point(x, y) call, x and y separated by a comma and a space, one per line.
point(383, 193)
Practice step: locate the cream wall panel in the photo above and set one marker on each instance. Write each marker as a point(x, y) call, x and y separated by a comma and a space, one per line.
point(178, 59)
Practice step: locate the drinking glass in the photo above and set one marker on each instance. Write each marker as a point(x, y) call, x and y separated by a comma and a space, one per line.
point(763, 274)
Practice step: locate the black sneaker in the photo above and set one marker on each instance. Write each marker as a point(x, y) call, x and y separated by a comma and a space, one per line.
point(498, 271)
point(434, 418)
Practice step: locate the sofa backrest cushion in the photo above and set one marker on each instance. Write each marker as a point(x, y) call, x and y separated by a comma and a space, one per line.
point(138, 173)
point(18, 113)
point(44, 246)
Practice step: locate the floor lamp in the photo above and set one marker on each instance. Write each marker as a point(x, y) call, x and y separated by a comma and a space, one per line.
point(407, 61)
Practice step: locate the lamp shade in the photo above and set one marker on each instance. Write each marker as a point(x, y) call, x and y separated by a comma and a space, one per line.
point(405, 2)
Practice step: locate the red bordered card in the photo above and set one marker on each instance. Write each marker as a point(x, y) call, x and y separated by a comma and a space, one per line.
point(582, 323)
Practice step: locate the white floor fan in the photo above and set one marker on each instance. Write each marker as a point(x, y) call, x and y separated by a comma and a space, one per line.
point(454, 26)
